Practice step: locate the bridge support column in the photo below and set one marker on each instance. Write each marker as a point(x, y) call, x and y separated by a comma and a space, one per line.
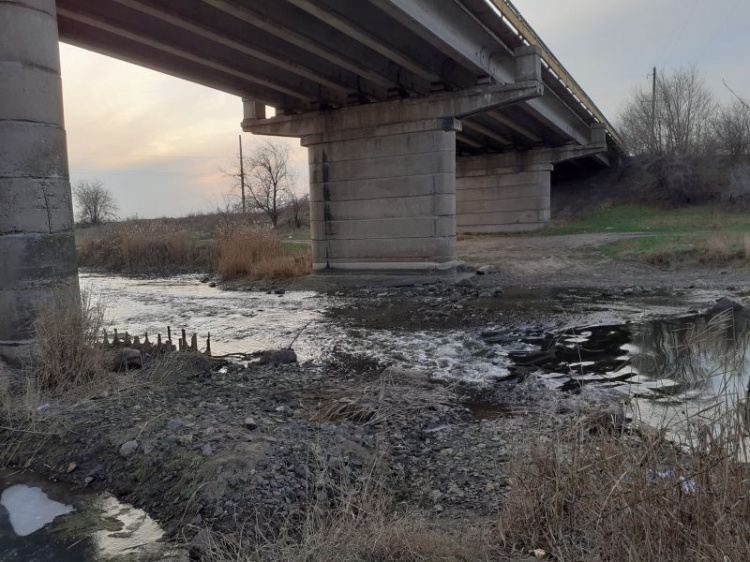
point(503, 192)
point(383, 198)
point(383, 176)
point(37, 247)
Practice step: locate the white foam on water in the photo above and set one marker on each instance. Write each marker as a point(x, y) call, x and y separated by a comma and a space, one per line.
point(30, 509)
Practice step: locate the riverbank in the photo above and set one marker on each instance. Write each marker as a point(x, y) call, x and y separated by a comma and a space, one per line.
point(249, 450)
point(429, 449)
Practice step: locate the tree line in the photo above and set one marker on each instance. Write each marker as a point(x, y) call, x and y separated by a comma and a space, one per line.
point(680, 116)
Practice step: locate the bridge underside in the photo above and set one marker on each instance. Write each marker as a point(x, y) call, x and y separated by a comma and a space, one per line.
point(422, 118)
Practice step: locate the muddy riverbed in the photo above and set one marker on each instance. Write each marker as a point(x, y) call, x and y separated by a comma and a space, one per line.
point(428, 383)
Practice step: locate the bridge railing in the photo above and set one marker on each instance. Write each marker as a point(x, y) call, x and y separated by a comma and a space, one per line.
point(516, 22)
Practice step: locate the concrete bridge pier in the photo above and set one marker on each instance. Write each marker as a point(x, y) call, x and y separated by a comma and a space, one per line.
point(511, 192)
point(383, 199)
point(507, 192)
point(37, 246)
point(383, 177)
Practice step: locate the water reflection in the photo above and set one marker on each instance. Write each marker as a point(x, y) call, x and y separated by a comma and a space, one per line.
point(42, 521)
point(706, 359)
point(687, 375)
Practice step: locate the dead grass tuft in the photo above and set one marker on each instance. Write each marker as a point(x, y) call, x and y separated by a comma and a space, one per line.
point(257, 253)
point(583, 496)
point(66, 353)
point(706, 251)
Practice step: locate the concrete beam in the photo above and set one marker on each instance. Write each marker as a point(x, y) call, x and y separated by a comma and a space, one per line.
point(449, 105)
point(487, 132)
point(182, 46)
point(317, 38)
point(376, 43)
point(37, 247)
point(514, 126)
point(99, 41)
point(456, 33)
point(322, 76)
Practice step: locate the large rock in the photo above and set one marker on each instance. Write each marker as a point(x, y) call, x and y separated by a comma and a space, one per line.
point(278, 357)
point(128, 448)
point(726, 304)
point(127, 359)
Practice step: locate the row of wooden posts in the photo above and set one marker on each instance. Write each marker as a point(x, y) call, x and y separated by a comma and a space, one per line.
point(147, 346)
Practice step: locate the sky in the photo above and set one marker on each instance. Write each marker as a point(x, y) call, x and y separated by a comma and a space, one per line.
point(160, 143)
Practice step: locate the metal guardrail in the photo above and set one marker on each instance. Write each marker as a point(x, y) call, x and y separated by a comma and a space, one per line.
point(520, 26)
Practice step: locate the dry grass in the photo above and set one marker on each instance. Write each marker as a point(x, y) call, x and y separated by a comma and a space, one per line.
point(372, 534)
point(679, 492)
point(144, 247)
point(706, 251)
point(236, 248)
point(257, 253)
point(66, 358)
point(66, 354)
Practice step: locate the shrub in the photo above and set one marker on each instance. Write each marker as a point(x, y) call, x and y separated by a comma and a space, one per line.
point(257, 253)
point(66, 353)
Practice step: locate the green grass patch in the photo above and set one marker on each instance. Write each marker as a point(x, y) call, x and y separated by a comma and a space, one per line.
point(296, 247)
point(687, 250)
point(640, 218)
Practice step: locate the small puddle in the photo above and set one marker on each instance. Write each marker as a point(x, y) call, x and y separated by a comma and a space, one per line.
point(43, 521)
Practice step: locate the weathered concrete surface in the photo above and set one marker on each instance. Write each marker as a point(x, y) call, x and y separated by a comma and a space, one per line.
point(383, 199)
point(37, 248)
point(503, 193)
point(510, 192)
point(383, 176)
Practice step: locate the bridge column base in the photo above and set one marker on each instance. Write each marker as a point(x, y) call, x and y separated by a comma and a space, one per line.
point(37, 246)
point(503, 193)
point(382, 199)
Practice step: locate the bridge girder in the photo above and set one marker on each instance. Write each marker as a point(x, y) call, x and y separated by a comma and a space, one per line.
point(307, 55)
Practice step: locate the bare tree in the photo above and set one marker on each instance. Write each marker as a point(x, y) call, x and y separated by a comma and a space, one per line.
point(298, 205)
point(677, 122)
point(732, 128)
point(94, 203)
point(268, 178)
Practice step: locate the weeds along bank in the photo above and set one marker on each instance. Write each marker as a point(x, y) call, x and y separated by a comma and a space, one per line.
point(233, 248)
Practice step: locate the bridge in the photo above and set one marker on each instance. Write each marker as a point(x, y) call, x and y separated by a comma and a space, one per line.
point(423, 119)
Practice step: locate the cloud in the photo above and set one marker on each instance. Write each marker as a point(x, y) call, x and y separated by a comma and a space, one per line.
point(157, 141)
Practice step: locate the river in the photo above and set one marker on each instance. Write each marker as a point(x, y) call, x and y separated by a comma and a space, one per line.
point(672, 368)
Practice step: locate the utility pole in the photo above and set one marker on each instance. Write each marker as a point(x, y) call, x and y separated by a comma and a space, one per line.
point(242, 177)
point(653, 109)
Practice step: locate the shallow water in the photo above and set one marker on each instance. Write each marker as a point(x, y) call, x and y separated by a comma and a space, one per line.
point(672, 368)
point(245, 322)
point(239, 322)
point(41, 521)
point(684, 374)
